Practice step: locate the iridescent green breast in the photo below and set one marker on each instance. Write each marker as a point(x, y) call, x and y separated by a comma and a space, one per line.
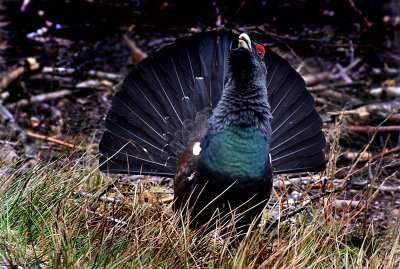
point(240, 153)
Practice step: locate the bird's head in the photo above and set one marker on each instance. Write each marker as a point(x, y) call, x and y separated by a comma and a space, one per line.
point(244, 101)
point(246, 63)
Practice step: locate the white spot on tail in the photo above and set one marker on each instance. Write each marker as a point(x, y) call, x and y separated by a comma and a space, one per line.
point(196, 148)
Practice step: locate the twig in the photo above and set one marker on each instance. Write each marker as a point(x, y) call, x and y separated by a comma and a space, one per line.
point(343, 73)
point(358, 11)
point(393, 150)
point(393, 163)
point(54, 140)
point(137, 54)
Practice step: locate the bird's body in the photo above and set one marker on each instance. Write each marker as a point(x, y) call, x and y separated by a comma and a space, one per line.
point(215, 114)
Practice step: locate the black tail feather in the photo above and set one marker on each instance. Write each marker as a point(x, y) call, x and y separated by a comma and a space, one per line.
point(299, 133)
point(296, 112)
point(304, 163)
point(296, 140)
point(125, 157)
point(299, 152)
point(123, 128)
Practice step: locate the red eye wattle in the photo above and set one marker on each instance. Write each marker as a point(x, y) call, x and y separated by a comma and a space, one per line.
point(260, 50)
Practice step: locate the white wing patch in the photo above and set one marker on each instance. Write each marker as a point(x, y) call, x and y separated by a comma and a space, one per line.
point(196, 148)
point(191, 176)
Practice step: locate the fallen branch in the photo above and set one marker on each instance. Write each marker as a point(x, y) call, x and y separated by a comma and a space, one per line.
point(54, 140)
point(105, 75)
point(306, 180)
point(386, 92)
point(377, 110)
point(71, 71)
point(167, 199)
point(43, 97)
point(333, 86)
point(10, 77)
point(30, 64)
point(393, 21)
point(387, 188)
point(103, 85)
point(341, 73)
point(353, 155)
point(331, 94)
point(372, 129)
point(312, 80)
point(345, 204)
point(394, 118)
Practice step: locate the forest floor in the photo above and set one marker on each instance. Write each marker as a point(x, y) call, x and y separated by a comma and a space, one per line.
point(58, 77)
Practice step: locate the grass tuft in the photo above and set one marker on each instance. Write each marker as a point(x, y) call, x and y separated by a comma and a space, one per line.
point(50, 216)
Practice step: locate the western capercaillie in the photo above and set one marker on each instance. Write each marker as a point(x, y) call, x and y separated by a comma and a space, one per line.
point(220, 114)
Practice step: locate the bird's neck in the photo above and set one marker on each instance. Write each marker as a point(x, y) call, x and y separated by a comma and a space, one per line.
point(243, 105)
point(237, 143)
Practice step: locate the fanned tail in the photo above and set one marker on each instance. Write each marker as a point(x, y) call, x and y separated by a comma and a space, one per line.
point(153, 115)
point(152, 118)
point(296, 140)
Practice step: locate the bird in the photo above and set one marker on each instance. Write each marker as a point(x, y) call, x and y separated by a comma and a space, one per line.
point(219, 113)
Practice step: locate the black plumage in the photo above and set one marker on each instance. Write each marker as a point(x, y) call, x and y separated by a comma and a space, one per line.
point(167, 108)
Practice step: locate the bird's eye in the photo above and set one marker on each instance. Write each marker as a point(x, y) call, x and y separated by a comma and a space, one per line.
point(260, 50)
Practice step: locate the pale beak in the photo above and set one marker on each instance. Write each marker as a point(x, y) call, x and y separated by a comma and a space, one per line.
point(244, 41)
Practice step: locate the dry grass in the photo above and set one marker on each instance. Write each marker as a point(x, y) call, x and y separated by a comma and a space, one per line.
point(44, 222)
